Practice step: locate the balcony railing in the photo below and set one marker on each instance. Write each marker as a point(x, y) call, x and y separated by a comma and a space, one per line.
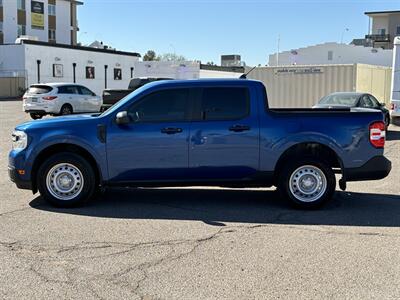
point(378, 37)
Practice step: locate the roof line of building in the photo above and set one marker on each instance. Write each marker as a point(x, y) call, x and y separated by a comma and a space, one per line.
point(76, 2)
point(65, 46)
point(382, 12)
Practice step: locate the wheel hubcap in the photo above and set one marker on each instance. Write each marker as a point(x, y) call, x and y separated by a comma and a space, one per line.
point(308, 183)
point(64, 181)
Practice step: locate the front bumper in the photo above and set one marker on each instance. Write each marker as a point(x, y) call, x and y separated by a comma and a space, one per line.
point(376, 168)
point(20, 183)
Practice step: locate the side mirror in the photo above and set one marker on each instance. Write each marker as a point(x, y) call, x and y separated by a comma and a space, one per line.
point(382, 104)
point(94, 94)
point(122, 118)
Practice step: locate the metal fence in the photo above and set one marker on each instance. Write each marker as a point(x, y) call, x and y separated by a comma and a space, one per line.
point(12, 83)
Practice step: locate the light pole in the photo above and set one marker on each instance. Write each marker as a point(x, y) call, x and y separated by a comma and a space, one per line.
point(344, 31)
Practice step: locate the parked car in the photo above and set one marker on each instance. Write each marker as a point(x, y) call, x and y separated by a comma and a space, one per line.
point(395, 111)
point(112, 96)
point(59, 99)
point(200, 132)
point(364, 100)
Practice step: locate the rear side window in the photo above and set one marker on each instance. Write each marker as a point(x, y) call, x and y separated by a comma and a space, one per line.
point(85, 91)
point(162, 106)
point(68, 89)
point(225, 104)
point(39, 89)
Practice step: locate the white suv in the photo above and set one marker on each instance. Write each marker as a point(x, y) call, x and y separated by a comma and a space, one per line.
point(59, 99)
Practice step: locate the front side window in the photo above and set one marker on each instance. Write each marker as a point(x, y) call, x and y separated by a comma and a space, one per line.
point(162, 106)
point(52, 10)
point(21, 30)
point(366, 102)
point(224, 104)
point(374, 101)
point(21, 4)
point(68, 89)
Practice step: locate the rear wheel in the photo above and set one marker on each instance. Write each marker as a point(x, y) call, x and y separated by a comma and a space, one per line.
point(66, 180)
point(307, 183)
point(36, 116)
point(66, 109)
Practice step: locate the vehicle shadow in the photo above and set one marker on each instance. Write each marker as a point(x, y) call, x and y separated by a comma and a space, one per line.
point(393, 135)
point(216, 206)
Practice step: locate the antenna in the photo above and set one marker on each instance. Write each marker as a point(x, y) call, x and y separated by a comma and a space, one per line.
point(244, 76)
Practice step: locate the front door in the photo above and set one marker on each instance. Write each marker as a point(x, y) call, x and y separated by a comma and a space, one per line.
point(154, 146)
point(224, 140)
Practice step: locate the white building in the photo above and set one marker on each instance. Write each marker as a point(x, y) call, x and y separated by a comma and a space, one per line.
point(384, 27)
point(42, 62)
point(53, 21)
point(333, 53)
point(184, 70)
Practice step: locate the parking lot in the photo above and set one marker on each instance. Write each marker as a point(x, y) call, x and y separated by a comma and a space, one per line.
point(199, 243)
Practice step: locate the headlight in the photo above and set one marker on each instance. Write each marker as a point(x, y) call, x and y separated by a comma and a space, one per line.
point(19, 140)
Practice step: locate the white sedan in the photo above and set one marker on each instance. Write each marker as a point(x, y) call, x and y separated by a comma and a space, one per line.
point(59, 99)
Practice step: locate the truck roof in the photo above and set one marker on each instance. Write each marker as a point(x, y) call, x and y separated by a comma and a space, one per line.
point(200, 82)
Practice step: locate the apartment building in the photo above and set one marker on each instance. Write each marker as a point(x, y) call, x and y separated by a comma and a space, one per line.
point(52, 21)
point(384, 26)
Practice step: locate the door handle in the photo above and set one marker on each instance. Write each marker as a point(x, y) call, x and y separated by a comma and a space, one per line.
point(170, 130)
point(239, 128)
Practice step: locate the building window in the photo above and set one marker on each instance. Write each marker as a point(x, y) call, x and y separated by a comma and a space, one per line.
point(1, 3)
point(52, 34)
point(21, 30)
point(381, 31)
point(330, 55)
point(1, 26)
point(398, 30)
point(52, 10)
point(21, 4)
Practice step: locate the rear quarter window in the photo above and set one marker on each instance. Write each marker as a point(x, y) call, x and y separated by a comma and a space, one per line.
point(39, 89)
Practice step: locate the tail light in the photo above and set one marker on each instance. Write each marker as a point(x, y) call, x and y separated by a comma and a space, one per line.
point(377, 134)
point(49, 98)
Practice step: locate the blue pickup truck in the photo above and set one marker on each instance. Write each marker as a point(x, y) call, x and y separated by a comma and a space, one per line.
point(199, 133)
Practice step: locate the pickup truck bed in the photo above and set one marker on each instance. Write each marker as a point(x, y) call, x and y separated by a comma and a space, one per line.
point(201, 132)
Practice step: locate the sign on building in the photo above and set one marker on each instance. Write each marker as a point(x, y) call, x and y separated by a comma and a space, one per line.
point(37, 14)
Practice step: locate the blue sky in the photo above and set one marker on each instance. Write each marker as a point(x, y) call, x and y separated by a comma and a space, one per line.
point(205, 29)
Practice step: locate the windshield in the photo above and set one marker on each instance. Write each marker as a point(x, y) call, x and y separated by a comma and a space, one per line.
point(39, 89)
point(340, 99)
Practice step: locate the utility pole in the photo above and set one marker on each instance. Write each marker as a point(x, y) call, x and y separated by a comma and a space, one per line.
point(277, 53)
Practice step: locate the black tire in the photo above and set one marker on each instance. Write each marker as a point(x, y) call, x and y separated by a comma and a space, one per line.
point(66, 109)
point(289, 192)
point(87, 186)
point(36, 116)
point(387, 122)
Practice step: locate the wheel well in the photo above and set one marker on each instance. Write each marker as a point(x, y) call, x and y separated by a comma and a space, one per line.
point(314, 150)
point(47, 152)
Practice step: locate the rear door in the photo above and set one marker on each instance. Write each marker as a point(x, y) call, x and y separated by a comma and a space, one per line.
point(224, 135)
point(69, 94)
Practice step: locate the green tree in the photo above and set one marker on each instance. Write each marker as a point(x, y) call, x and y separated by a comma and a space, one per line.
point(150, 56)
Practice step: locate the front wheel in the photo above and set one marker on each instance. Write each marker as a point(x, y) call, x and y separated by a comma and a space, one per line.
point(66, 180)
point(307, 183)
